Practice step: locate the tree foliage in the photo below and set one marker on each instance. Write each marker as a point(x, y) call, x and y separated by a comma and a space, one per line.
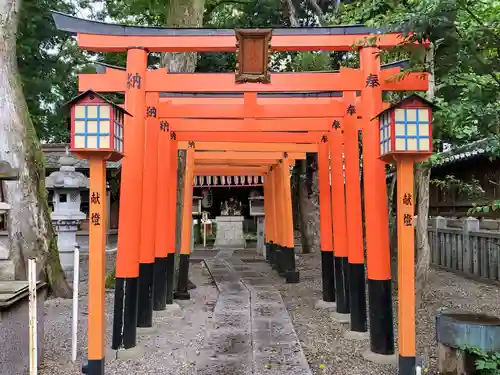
point(48, 61)
point(467, 63)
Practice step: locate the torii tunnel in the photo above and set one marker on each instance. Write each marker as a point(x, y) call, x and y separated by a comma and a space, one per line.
point(232, 128)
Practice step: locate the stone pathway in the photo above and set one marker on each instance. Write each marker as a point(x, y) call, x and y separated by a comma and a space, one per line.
point(251, 332)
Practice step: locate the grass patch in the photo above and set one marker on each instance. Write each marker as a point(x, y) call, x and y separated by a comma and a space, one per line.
point(110, 279)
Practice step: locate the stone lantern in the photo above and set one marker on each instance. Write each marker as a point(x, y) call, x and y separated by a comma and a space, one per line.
point(66, 216)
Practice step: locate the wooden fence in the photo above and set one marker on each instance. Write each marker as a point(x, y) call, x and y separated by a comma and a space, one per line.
point(468, 246)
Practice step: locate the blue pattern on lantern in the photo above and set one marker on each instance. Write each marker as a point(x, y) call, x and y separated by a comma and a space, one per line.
point(417, 123)
point(98, 119)
point(118, 131)
point(385, 136)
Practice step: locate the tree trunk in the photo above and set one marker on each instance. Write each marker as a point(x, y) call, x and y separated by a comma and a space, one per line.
point(309, 204)
point(393, 232)
point(292, 13)
point(308, 189)
point(422, 176)
point(302, 205)
point(182, 13)
point(29, 225)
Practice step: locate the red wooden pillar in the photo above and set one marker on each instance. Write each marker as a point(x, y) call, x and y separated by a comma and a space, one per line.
point(356, 255)
point(341, 263)
point(325, 212)
point(163, 217)
point(129, 231)
point(149, 205)
point(280, 219)
point(406, 265)
point(376, 212)
point(97, 269)
point(267, 217)
point(274, 223)
point(172, 217)
point(290, 271)
point(187, 226)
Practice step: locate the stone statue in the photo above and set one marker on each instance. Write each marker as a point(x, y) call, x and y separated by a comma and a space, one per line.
point(208, 198)
point(231, 207)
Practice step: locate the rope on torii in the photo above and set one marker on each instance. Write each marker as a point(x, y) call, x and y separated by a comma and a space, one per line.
point(243, 181)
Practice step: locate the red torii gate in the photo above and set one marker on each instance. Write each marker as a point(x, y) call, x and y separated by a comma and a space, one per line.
point(195, 123)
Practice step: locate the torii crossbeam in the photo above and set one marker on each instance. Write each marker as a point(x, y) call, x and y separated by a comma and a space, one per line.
point(231, 146)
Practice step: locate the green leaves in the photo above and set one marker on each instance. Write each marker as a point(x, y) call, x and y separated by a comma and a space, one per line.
point(466, 36)
point(47, 61)
point(311, 61)
point(487, 363)
point(484, 208)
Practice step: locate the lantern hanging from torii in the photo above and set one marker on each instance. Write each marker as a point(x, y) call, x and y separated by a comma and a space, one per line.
point(406, 129)
point(96, 126)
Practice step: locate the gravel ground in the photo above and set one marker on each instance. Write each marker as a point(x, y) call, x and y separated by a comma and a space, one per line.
point(329, 353)
point(175, 350)
point(172, 350)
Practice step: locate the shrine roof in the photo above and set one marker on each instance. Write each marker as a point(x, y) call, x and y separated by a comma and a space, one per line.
point(464, 152)
point(458, 154)
point(72, 24)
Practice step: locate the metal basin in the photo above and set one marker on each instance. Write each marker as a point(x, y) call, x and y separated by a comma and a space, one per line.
point(459, 329)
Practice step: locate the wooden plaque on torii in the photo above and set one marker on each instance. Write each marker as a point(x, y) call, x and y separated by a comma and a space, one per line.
point(252, 50)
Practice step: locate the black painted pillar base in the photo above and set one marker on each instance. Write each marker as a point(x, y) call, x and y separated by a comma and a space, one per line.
point(125, 313)
point(357, 296)
point(347, 280)
point(381, 318)
point(93, 367)
point(169, 298)
point(406, 365)
point(278, 251)
point(160, 284)
point(285, 260)
point(272, 255)
point(182, 285)
point(292, 276)
point(145, 300)
point(328, 276)
point(340, 285)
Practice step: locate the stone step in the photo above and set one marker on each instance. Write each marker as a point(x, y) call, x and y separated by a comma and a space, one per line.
point(251, 323)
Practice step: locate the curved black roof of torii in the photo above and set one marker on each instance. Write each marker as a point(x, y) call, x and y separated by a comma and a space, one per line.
point(74, 25)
